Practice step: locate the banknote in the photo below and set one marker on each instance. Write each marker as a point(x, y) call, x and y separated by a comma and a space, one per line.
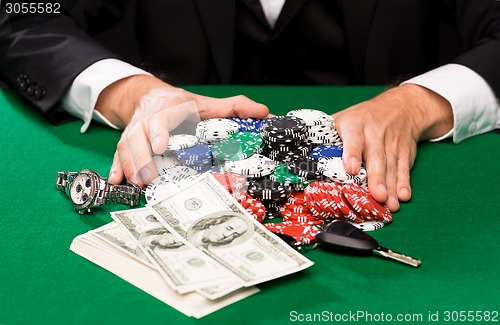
point(183, 266)
point(209, 218)
point(111, 256)
point(114, 235)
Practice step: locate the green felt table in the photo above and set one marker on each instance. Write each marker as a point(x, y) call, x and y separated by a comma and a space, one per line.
point(452, 224)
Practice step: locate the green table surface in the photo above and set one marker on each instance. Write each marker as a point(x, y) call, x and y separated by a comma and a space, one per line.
point(452, 224)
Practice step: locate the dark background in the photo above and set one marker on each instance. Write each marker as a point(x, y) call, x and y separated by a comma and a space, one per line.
point(121, 39)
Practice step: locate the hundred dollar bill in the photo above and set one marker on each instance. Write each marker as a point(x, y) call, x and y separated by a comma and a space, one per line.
point(146, 277)
point(208, 217)
point(114, 235)
point(183, 266)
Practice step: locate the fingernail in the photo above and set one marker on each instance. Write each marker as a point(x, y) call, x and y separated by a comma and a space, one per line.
point(393, 199)
point(145, 174)
point(134, 180)
point(354, 162)
point(155, 143)
point(382, 188)
point(112, 174)
point(404, 192)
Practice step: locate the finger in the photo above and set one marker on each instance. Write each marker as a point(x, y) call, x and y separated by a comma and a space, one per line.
point(158, 132)
point(237, 106)
point(353, 139)
point(143, 169)
point(123, 154)
point(391, 176)
point(375, 159)
point(405, 163)
point(116, 172)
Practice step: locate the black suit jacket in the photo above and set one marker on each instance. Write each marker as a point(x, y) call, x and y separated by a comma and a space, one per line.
point(193, 40)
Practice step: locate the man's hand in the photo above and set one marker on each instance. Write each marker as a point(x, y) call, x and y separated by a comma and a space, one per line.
point(384, 132)
point(147, 109)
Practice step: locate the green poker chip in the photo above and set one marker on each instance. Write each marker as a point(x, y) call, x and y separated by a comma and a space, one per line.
point(282, 175)
point(238, 146)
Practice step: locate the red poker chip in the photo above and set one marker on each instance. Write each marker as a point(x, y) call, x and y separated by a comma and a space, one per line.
point(317, 199)
point(240, 197)
point(380, 211)
point(232, 182)
point(297, 208)
point(297, 198)
point(358, 201)
point(348, 210)
point(337, 197)
point(377, 210)
point(327, 201)
point(308, 218)
point(258, 215)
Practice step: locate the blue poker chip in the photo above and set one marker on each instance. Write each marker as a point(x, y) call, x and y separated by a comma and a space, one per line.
point(326, 152)
point(249, 124)
point(201, 151)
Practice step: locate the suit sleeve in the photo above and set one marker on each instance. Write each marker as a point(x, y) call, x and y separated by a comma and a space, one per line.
point(478, 23)
point(40, 55)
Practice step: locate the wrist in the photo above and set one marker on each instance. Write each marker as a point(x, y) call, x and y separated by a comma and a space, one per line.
point(118, 101)
point(430, 113)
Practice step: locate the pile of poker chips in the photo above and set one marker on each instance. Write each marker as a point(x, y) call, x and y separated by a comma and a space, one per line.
point(284, 137)
point(279, 157)
point(320, 127)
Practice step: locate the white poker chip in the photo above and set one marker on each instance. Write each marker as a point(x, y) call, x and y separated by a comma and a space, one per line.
point(156, 192)
point(216, 129)
point(312, 117)
point(181, 141)
point(178, 173)
point(165, 161)
point(256, 165)
point(368, 225)
point(333, 168)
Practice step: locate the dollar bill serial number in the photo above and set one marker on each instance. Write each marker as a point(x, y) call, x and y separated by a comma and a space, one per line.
point(32, 7)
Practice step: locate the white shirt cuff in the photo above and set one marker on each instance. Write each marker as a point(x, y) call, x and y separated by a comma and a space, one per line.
point(475, 108)
point(82, 96)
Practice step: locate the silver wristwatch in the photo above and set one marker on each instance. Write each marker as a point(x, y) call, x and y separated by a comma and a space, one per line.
point(88, 190)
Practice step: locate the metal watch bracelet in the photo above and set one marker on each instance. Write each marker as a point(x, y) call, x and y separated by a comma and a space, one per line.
point(126, 194)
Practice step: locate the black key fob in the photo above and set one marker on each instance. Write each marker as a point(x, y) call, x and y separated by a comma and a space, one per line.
point(341, 236)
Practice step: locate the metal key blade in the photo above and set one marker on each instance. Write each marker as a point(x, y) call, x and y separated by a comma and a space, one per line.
point(387, 253)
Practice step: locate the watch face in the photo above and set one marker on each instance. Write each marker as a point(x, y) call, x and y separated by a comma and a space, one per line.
point(82, 189)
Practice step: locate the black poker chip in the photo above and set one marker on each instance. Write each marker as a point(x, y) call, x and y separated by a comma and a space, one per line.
point(266, 189)
point(305, 167)
point(284, 125)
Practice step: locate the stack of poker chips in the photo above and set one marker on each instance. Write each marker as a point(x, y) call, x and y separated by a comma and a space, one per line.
point(351, 202)
point(320, 127)
point(271, 194)
point(284, 137)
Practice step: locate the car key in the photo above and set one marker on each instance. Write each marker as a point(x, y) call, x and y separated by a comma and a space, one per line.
point(341, 236)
